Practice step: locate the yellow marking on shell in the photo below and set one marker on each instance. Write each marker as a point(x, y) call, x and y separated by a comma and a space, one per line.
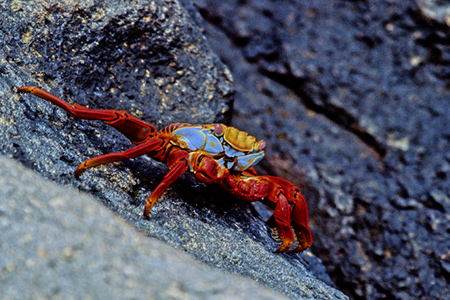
point(240, 140)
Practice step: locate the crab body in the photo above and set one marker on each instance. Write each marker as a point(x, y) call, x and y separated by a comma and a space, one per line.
point(219, 142)
point(214, 153)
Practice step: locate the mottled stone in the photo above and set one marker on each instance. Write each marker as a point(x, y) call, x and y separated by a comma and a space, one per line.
point(58, 243)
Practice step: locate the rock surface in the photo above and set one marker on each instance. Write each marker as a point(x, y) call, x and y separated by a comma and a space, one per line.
point(54, 248)
point(353, 100)
point(149, 58)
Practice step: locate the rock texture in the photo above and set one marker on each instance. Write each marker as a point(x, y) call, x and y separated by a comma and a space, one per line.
point(151, 59)
point(58, 243)
point(352, 98)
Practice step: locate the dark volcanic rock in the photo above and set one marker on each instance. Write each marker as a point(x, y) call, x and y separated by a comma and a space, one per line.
point(149, 58)
point(352, 98)
point(115, 56)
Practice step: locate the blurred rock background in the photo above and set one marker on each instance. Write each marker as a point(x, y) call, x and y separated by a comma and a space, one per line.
point(151, 59)
point(353, 99)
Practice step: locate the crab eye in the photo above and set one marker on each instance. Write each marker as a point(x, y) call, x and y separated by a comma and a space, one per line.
point(263, 145)
point(218, 129)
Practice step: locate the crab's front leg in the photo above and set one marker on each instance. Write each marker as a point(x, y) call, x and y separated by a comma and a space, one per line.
point(290, 210)
point(253, 188)
point(281, 220)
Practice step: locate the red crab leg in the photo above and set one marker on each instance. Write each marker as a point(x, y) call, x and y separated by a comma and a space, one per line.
point(178, 162)
point(272, 190)
point(134, 129)
point(300, 225)
point(136, 151)
point(82, 113)
point(299, 216)
point(281, 217)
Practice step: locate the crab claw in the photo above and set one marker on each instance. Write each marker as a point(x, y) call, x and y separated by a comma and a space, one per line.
point(290, 210)
point(290, 214)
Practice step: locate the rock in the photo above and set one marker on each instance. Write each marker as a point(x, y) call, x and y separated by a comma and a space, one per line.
point(151, 59)
point(352, 99)
point(435, 10)
point(58, 243)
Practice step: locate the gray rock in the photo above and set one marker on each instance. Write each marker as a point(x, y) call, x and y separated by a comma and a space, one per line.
point(59, 243)
point(149, 58)
point(436, 10)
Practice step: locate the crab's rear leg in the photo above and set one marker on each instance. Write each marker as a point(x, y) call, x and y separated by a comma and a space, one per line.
point(134, 129)
point(136, 151)
point(177, 161)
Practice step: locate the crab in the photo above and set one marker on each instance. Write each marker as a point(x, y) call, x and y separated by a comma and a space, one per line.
point(214, 153)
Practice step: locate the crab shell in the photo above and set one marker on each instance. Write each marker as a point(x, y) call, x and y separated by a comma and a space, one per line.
point(233, 149)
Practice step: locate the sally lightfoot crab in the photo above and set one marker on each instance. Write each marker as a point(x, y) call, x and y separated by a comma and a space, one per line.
point(214, 153)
